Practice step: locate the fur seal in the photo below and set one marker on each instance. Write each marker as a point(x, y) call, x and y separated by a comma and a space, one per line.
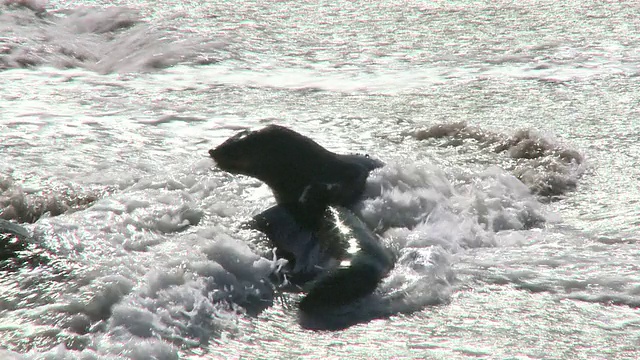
point(289, 162)
point(329, 249)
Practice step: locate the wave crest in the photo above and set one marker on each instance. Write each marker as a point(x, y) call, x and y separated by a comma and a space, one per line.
point(548, 167)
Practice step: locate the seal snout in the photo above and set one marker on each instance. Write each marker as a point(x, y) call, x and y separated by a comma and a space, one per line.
point(228, 160)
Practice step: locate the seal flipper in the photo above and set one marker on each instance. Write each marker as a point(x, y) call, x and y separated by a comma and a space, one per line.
point(13, 228)
point(286, 235)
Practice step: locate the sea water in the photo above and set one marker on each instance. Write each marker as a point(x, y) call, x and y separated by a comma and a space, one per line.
point(510, 193)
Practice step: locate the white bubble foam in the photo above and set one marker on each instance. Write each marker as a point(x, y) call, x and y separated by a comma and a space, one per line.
point(105, 40)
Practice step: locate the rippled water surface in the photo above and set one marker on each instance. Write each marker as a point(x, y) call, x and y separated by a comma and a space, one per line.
point(510, 192)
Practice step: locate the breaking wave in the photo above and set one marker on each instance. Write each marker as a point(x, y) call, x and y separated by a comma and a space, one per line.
point(103, 40)
point(29, 205)
point(548, 167)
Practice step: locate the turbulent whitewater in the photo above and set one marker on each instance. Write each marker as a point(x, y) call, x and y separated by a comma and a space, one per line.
point(509, 196)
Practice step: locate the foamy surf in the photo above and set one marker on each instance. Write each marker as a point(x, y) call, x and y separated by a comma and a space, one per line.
point(162, 269)
point(548, 167)
point(521, 252)
point(104, 40)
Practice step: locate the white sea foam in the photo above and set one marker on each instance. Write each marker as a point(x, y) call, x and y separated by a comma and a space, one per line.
point(158, 262)
point(104, 40)
point(155, 267)
point(427, 220)
point(546, 165)
point(162, 257)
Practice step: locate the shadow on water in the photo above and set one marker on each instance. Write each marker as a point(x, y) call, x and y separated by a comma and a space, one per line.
point(343, 317)
point(374, 307)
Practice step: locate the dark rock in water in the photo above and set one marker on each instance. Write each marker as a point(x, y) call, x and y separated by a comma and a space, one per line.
point(549, 168)
point(340, 261)
point(364, 262)
point(19, 249)
point(13, 238)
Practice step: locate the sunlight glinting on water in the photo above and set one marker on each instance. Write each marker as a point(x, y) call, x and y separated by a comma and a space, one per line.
point(509, 193)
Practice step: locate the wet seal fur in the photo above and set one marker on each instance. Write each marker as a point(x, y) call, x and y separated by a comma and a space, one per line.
point(289, 162)
point(312, 226)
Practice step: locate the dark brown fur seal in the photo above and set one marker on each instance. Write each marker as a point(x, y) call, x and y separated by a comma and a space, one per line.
point(314, 189)
point(289, 163)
